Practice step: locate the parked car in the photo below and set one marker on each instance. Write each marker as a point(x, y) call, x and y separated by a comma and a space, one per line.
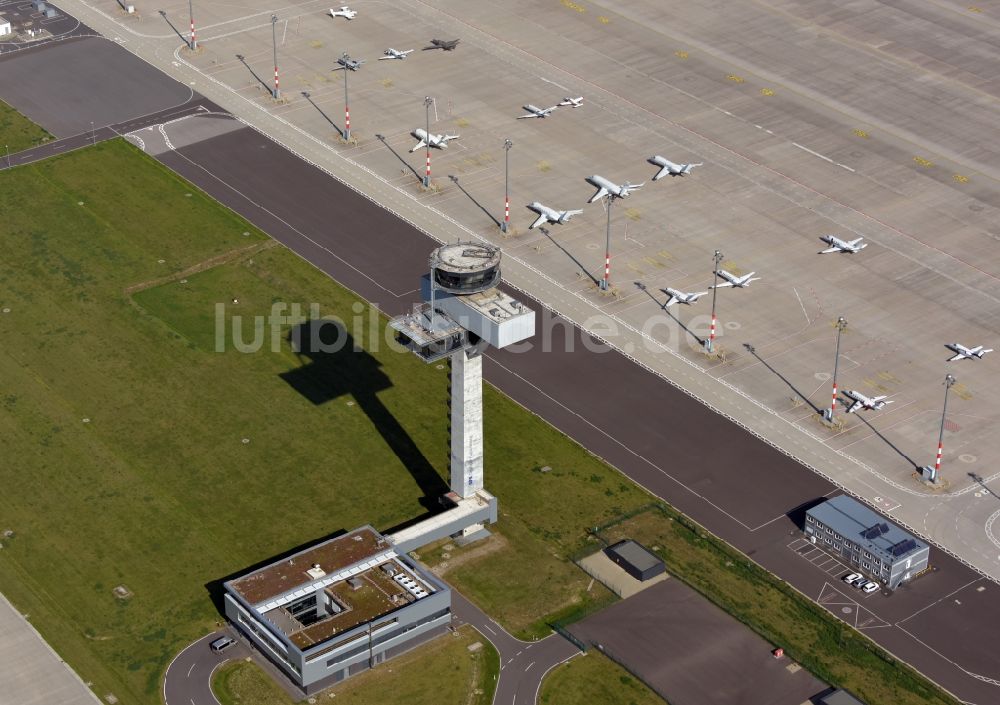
point(221, 644)
point(869, 587)
point(852, 578)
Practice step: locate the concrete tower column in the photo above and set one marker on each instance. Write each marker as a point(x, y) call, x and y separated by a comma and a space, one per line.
point(466, 422)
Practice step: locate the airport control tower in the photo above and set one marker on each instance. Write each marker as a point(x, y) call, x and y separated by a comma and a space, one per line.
point(463, 312)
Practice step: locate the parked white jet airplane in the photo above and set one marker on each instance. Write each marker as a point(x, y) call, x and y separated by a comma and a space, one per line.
point(574, 102)
point(604, 187)
point(863, 402)
point(535, 112)
point(668, 168)
point(549, 215)
point(681, 297)
point(733, 280)
point(391, 53)
point(964, 353)
point(439, 141)
point(345, 12)
point(837, 245)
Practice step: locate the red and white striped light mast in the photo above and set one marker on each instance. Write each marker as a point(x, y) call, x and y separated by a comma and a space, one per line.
point(274, 40)
point(505, 226)
point(828, 414)
point(929, 474)
point(428, 101)
point(710, 342)
point(347, 108)
point(605, 284)
point(194, 42)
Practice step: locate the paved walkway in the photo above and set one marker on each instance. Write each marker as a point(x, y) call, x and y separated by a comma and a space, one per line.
point(31, 673)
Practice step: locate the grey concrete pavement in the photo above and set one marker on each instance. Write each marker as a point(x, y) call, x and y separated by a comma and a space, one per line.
point(31, 673)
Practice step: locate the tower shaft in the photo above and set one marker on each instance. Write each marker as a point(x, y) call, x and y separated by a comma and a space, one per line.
point(466, 422)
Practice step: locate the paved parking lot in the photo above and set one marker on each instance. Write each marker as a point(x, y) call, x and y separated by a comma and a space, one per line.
point(691, 652)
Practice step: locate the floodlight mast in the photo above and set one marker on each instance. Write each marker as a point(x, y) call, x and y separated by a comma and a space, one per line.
point(933, 474)
point(828, 414)
point(710, 343)
point(274, 42)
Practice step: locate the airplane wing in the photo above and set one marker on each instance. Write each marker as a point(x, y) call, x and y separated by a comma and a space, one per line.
point(958, 356)
point(418, 145)
point(540, 220)
point(671, 301)
point(529, 115)
point(854, 407)
point(601, 193)
point(829, 250)
point(876, 400)
point(661, 173)
point(721, 286)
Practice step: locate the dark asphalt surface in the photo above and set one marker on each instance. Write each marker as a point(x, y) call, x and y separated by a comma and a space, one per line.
point(189, 676)
point(64, 86)
point(649, 430)
point(691, 652)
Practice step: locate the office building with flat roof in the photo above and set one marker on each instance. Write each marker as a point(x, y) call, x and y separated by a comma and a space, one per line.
point(872, 544)
point(338, 608)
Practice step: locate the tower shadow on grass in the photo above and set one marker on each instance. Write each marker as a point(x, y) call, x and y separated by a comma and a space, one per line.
point(335, 368)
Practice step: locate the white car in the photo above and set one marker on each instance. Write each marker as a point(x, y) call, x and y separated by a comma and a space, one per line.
point(852, 578)
point(869, 587)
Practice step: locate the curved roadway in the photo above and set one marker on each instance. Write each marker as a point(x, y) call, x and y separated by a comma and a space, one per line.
point(523, 664)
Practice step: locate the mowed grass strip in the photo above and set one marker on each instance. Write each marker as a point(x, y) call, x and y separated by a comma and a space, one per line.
point(18, 132)
point(137, 456)
point(594, 678)
point(441, 672)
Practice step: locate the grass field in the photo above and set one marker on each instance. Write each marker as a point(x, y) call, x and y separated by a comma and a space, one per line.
point(441, 672)
point(18, 132)
point(126, 429)
point(594, 678)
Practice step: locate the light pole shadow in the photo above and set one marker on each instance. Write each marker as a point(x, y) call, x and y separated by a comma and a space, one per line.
point(545, 232)
point(663, 306)
point(471, 198)
point(381, 138)
point(889, 443)
point(753, 351)
point(305, 94)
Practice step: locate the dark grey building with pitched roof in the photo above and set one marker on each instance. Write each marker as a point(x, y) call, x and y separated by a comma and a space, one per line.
point(876, 547)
